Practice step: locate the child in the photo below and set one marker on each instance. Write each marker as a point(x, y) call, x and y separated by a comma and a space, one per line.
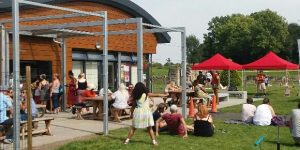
point(161, 108)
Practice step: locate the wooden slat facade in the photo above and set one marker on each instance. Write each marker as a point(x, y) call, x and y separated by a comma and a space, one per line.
point(37, 48)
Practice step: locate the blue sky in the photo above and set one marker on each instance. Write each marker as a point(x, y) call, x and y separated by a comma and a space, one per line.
point(195, 15)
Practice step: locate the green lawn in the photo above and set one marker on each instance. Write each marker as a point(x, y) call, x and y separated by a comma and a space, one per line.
point(227, 136)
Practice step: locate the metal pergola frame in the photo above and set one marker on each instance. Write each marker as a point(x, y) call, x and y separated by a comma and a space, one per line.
point(53, 31)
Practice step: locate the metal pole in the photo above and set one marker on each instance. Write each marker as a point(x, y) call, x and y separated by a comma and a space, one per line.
point(298, 41)
point(28, 100)
point(16, 72)
point(64, 72)
point(242, 80)
point(183, 73)
point(2, 54)
point(119, 68)
point(228, 78)
point(7, 59)
point(140, 42)
point(151, 72)
point(105, 75)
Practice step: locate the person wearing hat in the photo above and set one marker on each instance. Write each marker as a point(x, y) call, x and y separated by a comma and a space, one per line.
point(175, 123)
point(121, 97)
point(5, 104)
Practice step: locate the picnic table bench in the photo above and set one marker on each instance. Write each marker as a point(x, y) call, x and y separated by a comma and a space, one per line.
point(99, 100)
point(46, 131)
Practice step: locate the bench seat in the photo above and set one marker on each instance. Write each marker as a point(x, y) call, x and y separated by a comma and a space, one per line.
point(46, 131)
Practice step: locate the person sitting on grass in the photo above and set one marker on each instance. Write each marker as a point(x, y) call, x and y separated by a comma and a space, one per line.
point(121, 97)
point(248, 111)
point(175, 123)
point(264, 113)
point(295, 125)
point(161, 108)
point(203, 122)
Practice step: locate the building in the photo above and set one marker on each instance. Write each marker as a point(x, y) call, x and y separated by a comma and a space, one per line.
point(44, 54)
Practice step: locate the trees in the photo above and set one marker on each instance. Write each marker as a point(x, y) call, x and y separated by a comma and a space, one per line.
point(193, 49)
point(245, 38)
point(291, 46)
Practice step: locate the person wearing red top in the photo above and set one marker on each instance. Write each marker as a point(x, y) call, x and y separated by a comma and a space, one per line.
point(215, 82)
point(72, 92)
point(260, 80)
point(175, 123)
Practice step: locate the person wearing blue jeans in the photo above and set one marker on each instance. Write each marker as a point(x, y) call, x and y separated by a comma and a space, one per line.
point(54, 93)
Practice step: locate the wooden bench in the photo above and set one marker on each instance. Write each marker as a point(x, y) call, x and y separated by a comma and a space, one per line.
point(46, 131)
point(243, 94)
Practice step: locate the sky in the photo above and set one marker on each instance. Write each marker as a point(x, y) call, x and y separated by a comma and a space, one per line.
point(195, 15)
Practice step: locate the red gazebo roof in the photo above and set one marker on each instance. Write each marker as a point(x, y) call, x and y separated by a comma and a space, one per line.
point(217, 62)
point(271, 62)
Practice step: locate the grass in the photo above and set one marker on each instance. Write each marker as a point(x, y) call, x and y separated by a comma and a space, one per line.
point(227, 136)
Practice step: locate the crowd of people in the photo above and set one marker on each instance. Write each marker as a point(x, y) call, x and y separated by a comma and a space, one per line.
point(164, 119)
point(6, 111)
point(160, 120)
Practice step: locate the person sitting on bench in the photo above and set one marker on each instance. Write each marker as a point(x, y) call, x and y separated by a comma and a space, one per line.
point(200, 92)
point(23, 107)
point(5, 122)
point(121, 97)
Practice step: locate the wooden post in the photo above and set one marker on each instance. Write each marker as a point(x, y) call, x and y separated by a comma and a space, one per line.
point(29, 116)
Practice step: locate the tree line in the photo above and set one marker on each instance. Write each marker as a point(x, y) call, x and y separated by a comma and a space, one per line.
point(245, 38)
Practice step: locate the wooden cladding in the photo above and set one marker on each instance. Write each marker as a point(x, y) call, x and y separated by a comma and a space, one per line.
point(37, 48)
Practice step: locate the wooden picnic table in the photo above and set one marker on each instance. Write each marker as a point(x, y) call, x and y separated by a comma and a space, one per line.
point(98, 102)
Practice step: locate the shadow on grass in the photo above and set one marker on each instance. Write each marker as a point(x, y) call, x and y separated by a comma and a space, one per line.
point(294, 100)
point(283, 144)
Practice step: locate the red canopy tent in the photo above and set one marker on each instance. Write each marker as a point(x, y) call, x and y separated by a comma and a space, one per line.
point(271, 62)
point(217, 62)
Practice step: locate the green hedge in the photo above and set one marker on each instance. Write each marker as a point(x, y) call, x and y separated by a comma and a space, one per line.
point(235, 79)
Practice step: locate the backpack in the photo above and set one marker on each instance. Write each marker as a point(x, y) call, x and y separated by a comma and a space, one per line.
point(61, 90)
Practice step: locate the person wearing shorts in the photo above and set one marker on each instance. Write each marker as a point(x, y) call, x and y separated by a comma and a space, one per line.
point(260, 78)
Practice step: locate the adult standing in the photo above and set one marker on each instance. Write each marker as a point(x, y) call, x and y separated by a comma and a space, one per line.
point(81, 87)
point(44, 90)
point(54, 93)
point(201, 78)
point(295, 124)
point(215, 82)
point(72, 93)
point(260, 80)
point(142, 115)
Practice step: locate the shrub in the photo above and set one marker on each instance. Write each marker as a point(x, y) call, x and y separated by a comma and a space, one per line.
point(235, 79)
